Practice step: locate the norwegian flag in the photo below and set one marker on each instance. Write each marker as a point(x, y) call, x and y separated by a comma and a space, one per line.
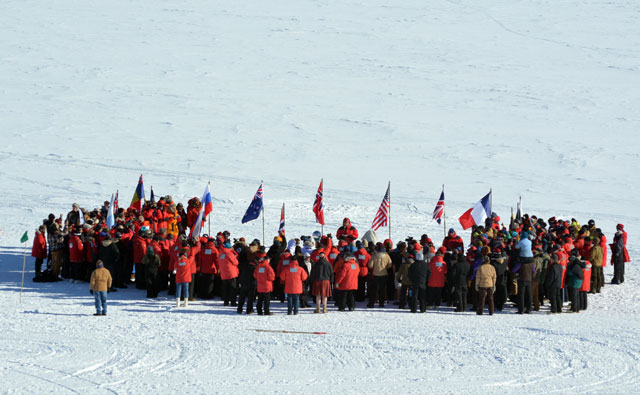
point(382, 217)
point(438, 212)
point(115, 203)
point(318, 205)
point(281, 229)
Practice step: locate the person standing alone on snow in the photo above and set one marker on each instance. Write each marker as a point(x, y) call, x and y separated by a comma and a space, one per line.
point(98, 285)
point(619, 254)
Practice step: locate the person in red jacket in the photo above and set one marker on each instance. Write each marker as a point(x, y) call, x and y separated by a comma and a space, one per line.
point(586, 285)
point(293, 276)
point(436, 281)
point(347, 232)
point(347, 281)
point(39, 249)
point(325, 247)
point(76, 257)
point(363, 257)
point(453, 241)
point(183, 278)
point(140, 242)
point(264, 275)
point(228, 266)
point(285, 260)
point(208, 268)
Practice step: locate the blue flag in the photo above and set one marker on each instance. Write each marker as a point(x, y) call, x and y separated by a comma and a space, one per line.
point(255, 207)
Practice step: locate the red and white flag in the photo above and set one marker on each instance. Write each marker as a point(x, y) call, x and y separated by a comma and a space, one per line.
point(318, 205)
point(476, 214)
point(438, 212)
point(382, 216)
point(281, 229)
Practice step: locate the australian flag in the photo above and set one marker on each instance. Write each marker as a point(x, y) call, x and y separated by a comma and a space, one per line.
point(255, 207)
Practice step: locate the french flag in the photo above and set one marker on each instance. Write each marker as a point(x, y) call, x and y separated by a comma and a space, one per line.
point(476, 214)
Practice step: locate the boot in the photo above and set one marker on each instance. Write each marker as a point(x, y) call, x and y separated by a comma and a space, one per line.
point(317, 310)
point(186, 302)
point(324, 309)
point(178, 302)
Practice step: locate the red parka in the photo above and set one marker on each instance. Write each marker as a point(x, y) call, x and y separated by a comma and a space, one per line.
point(586, 278)
point(139, 248)
point(39, 248)
point(293, 277)
point(603, 244)
point(363, 257)
point(347, 275)
point(227, 263)
point(452, 242)
point(264, 275)
point(347, 231)
point(76, 249)
point(208, 258)
point(285, 261)
point(438, 272)
point(183, 270)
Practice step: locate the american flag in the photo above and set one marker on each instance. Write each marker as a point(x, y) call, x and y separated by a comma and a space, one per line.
point(438, 212)
point(318, 205)
point(382, 217)
point(255, 207)
point(281, 229)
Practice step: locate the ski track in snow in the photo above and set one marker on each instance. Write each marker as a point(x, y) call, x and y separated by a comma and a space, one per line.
point(526, 98)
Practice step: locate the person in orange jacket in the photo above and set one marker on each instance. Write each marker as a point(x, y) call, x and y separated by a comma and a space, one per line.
point(363, 257)
point(283, 263)
point(228, 266)
point(347, 232)
point(76, 256)
point(39, 249)
point(207, 267)
point(264, 275)
point(347, 281)
point(293, 276)
point(436, 281)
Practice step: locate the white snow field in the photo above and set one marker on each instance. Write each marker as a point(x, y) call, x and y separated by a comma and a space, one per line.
point(532, 98)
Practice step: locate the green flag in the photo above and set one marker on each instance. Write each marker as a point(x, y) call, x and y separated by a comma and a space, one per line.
point(24, 237)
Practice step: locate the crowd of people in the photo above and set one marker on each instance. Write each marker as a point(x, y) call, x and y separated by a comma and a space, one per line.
point(529, 263)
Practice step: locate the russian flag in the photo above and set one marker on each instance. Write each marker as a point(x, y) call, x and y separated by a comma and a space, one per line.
point(138, 196)
point(476, 214)
point(207, 201)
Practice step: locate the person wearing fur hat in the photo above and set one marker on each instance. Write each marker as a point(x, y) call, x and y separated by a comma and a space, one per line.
point(151, 264)
point(99, 283)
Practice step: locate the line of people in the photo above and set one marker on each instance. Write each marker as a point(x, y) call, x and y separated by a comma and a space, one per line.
point(527, 263)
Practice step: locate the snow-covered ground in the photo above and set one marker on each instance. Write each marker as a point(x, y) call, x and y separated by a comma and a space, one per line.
point(531, 98)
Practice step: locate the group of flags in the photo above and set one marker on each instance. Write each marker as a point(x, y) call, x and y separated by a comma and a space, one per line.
point(476, 215)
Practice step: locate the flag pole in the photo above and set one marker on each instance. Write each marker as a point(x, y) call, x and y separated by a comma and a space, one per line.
point(210, 218)
point(322, 225)
point(389, 188)
point(261, 183)
point(24, 263)
point(444, 217)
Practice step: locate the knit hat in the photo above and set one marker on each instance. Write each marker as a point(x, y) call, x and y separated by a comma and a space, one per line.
point(99, 263)
point(619, 226)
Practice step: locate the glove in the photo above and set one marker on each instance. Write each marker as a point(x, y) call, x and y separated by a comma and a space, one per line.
point(175, 271)
point(91, 291)
point(494, 288)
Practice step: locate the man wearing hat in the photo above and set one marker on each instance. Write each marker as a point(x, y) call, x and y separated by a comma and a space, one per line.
point(98, 285)
point(620, 254)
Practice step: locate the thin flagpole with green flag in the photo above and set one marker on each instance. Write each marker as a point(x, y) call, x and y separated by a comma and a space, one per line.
point(24, 239)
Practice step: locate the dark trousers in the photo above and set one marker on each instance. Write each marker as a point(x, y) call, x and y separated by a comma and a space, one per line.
point(378, 290)
point(485, 294)
point(247, 293)
point(205, 282)
point(524, 296)
point(151, 278)
point(278, 289)
point(229, 291)
point(575, 300)
point(122, 275)
point(163, 280)
point(403, 295)
point(434, 295)
point(77, 271)
point(583, 300)
point(461, 299)
point(264, 299)
point(596, 279)
point(192, 287)
point(501, 293)
point(39, 266)
point(140, 283)
point(172, 284)
point(347, 298)
point(618, 271)
point(555, 298)
point(418, 298)
point(360, 296)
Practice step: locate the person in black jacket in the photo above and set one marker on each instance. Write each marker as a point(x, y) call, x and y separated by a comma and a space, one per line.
point(461, 271)
point(110, 255)
point(151, 264)
point(498, 260)
point(552, 284)
point(321, 278)
point(419, 274)
point(246, 281)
